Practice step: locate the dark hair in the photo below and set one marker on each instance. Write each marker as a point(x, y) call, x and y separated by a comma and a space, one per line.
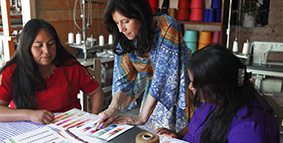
point(215, 72)
point(132, 9)
point(26, 76)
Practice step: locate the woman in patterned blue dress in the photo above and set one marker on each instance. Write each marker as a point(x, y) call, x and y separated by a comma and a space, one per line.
point(150, 47)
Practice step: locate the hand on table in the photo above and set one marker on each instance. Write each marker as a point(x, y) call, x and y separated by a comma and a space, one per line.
point(40, 116)
point(166, 132)
point(106, 117)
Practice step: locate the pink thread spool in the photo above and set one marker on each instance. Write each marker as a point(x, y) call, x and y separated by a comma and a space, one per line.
point(197, 14)
point(183, 14)
point(184, 4)
point(197, 4)
point(215, 38)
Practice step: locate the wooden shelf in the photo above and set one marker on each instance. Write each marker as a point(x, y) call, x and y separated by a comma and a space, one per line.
point(12, 7)
point(13, 27)
point(198, 22)
point(12, 16)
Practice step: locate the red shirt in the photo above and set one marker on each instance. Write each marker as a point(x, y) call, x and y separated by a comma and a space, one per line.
point(56, 96)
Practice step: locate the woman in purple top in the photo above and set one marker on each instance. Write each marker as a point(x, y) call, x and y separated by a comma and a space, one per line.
point(229, 109)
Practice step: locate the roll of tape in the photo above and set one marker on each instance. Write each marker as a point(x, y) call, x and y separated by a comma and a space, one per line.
point(147, 137)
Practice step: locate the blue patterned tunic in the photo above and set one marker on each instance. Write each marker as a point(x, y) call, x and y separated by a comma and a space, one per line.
point(166, 72)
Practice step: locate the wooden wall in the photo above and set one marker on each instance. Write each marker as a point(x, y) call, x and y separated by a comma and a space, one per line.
point(60, 14)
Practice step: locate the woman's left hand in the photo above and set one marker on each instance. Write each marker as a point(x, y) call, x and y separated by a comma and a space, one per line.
point(166, 132)
point(128, 120)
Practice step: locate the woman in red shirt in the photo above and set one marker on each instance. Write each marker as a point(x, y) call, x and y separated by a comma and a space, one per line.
point(43, 77)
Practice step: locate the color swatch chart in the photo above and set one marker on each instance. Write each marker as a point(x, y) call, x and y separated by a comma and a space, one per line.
point(73, 118)
point(87, 132)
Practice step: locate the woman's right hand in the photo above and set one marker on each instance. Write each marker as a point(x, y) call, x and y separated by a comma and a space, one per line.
point(40, 116)
point(106, 117)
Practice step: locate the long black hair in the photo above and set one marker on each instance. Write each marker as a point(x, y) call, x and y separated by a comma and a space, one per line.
point(132, 9)
point(26, 77)
point(215, 71)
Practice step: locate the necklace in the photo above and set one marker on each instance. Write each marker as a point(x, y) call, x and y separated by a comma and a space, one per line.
point(52, 72)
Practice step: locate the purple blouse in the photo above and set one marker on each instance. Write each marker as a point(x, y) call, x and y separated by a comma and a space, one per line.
point(253, 129)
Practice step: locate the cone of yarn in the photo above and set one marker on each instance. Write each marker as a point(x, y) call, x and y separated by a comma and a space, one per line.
point(153, 3)
point(192, 46)
point(205, 37)
point(196, 14)
point(215, 38)
point(211, 15)
point(184, 4)
point(197, 4)
point(218, 15)
point(201, 45)
point(173, 12)
point(246, 47)
point(216, 3)
point(190, 35)
point(235, 46)
point(205, 15)
point(183, 14)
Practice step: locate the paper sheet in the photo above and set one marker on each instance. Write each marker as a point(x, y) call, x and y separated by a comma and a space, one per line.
point(42, 135)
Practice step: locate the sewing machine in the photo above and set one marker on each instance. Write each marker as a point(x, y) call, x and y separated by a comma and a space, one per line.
point(262, 68)
point(261, 51)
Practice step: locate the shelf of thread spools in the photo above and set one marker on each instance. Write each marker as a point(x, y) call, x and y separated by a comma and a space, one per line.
point(89, 47)
point(196, 40)
point(202, 15)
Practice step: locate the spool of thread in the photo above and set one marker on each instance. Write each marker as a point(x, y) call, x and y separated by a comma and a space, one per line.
point(173, 12)
point(211, 15)
point(205, 37)
point(192, 46)
point(184, 4)
point(205, 15)
point(217, 15)
point(215, 38)
point(78, 38)
point(101, 40)
point(246, 48)
point(183, 14)
point(197, 4)
point(235, 46)
point(110, 39)
point(71, 38)
point(202, 45)
point(216, 4)
point(147, 137)
point(197, 14)
point(153, 3)
point(191, 36)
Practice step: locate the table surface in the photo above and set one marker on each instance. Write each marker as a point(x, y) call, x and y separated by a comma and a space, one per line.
point(12, 129)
